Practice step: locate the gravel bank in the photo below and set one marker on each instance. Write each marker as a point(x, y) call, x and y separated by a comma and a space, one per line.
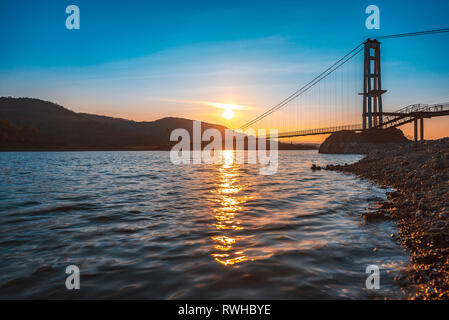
point(419, 172)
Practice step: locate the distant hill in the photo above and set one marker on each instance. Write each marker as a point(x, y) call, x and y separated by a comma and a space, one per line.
point(33, 124)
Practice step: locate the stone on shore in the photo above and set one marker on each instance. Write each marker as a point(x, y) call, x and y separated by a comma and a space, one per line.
point(420, 205)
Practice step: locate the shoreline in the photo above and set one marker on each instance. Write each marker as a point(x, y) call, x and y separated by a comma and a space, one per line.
point(419, 172)
point(282, 147)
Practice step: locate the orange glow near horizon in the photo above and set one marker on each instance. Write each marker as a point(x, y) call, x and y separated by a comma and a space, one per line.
point(234, 115)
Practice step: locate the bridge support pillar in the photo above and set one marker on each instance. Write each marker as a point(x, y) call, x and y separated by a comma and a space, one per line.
point(422, 129)
point(372, 86)
point(418, 129)
point(415, 129)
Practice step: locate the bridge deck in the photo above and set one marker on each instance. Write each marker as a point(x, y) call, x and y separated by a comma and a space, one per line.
point(312, 132)
point(391, 119)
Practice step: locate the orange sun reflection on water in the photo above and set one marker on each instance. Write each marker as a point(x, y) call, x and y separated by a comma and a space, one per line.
point(227, 191)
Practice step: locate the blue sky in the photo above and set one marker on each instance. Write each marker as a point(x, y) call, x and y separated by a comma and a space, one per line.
point(144, 60)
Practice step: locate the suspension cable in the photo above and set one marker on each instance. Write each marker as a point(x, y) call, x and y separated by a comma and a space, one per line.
point(303, 89)
point(413, 34)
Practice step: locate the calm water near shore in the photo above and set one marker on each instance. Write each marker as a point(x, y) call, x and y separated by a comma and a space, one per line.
point(140, 227)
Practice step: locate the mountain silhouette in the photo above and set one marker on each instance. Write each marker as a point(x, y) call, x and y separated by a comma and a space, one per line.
point(33, 124)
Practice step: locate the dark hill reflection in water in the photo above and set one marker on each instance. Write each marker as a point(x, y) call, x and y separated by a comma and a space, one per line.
point(141, 227)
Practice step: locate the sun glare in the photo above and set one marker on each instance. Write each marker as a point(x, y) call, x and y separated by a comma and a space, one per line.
point(228, 114)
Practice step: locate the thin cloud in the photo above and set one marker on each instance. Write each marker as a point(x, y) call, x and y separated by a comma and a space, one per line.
point(219, 105)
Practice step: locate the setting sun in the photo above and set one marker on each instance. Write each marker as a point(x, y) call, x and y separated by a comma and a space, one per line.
point(228, 114)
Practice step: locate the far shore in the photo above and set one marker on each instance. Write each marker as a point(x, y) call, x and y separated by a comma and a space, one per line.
point(283, 147)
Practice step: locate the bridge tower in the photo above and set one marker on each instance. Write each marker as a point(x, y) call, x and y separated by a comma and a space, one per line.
point(372, 85)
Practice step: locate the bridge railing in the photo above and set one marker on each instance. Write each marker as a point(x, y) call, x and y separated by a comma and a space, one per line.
point(392, 119)
point(424, 108)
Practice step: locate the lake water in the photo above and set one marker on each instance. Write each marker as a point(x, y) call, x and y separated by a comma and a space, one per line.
point(138, 226)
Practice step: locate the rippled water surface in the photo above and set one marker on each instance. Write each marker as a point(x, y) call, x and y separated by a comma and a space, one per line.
point(140, 227)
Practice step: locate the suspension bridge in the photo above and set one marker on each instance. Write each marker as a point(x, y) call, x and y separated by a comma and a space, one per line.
point(346, 96)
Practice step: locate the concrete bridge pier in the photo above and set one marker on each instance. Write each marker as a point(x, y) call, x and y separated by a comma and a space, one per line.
point(421, 129)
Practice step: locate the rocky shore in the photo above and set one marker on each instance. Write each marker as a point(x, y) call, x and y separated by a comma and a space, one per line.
point(419, 172)
point(350, 142)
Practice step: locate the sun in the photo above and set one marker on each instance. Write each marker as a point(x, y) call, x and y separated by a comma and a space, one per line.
point(228, 114)
point(228, 109)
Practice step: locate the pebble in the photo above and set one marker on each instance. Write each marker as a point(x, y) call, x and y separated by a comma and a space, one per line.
point(420, 173)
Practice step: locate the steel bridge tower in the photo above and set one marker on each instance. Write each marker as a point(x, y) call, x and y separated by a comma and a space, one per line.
point(372, 86)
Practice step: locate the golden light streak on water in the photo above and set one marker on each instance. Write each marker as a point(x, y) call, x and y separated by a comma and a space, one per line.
point(226, 191)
